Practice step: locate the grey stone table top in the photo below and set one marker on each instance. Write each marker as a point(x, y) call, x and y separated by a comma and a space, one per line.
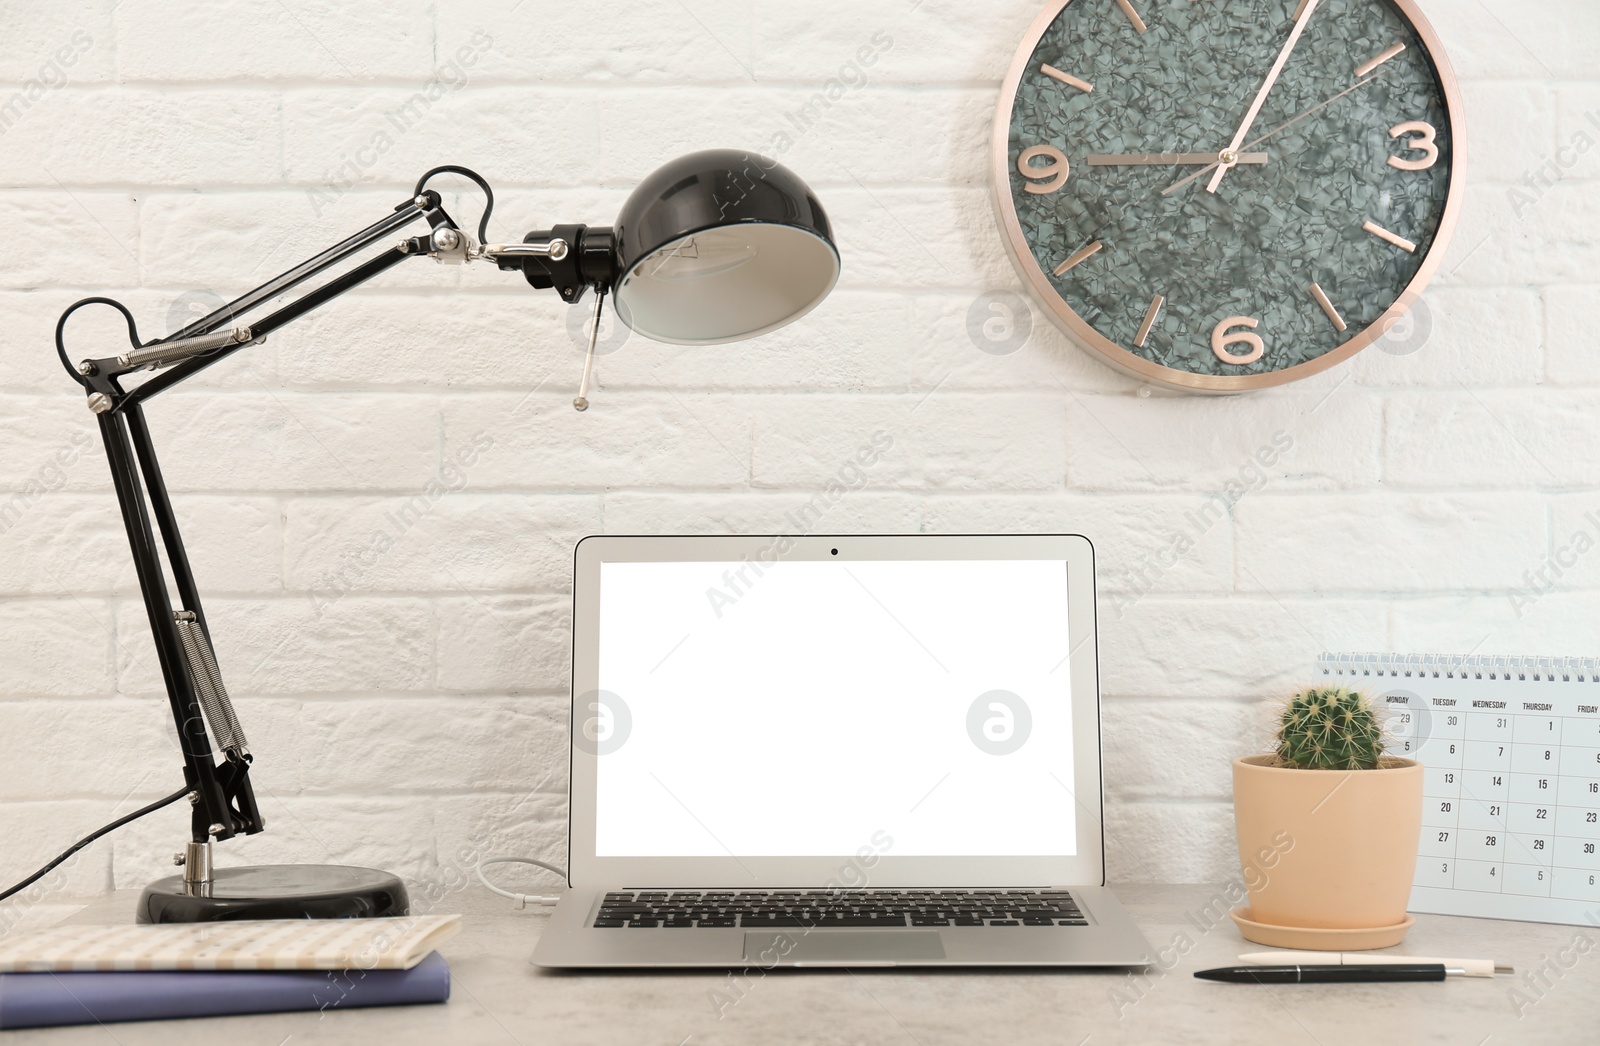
point(498, 997)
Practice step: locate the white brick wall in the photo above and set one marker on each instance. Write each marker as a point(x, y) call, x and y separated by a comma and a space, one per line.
point(408, 709)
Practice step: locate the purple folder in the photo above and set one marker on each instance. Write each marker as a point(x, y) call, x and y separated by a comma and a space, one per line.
point(33, 1000)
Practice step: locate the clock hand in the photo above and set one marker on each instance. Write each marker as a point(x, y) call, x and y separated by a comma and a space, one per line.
point(1165, 159)
point(1175, 186)
point(1230, 154)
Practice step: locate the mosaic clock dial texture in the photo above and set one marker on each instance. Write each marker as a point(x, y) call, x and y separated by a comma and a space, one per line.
point(1125, 120)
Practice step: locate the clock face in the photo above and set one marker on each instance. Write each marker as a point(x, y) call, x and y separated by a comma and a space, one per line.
point(1224, 196)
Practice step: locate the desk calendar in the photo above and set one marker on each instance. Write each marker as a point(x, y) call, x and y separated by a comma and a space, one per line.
point(1511, 801)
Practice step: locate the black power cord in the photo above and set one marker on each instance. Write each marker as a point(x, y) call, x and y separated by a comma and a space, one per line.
point(61, 326)
point(488, 194)
point(92, 836)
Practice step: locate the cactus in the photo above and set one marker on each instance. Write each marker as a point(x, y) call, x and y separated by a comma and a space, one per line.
point(1330, 728)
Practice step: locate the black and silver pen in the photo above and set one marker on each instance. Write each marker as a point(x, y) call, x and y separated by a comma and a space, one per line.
point(1430, 971)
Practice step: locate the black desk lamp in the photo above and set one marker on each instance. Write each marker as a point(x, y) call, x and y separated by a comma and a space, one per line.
point(714, 247)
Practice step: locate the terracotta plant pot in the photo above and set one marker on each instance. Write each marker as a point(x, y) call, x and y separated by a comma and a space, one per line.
point(1342, 847)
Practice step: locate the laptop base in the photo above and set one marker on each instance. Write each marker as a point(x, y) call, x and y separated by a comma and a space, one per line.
point(571, 941)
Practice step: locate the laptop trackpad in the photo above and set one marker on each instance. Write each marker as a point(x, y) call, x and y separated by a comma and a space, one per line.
point(842, 947)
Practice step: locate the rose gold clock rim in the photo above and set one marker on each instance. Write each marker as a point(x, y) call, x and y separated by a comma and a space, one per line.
point(1065, 317)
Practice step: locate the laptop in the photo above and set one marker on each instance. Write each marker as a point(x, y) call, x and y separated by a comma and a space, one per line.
point(836, 751)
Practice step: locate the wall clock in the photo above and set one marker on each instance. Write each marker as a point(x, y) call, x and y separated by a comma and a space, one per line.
point(1222, 195)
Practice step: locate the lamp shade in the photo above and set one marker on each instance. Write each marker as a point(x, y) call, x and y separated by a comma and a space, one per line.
point(718, 246)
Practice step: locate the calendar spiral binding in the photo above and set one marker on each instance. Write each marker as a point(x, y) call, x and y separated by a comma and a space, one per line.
point(1464, 666)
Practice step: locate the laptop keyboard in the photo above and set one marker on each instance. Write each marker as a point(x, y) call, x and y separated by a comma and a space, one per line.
point(817, 909)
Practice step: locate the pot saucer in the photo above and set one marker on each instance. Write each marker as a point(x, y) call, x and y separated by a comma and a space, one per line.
point(1307, 938)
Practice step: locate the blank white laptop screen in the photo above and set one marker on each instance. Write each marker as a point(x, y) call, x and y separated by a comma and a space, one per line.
point(813, 708)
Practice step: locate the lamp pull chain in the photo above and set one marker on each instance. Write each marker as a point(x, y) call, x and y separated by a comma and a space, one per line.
point(582, 402)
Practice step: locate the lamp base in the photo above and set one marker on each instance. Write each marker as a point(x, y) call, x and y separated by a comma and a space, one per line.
point(276, 891)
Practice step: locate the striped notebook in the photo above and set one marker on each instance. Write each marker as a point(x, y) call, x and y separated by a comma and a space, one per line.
point(279, 944)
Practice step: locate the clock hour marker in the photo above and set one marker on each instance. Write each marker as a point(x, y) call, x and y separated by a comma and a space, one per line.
point(1384, 234)
point(1133, 16)
point(1049, 178)
point(1149, 320)
point(1372, 63)
point(1067, 78)
point(1327, 307)
point(1079, 257)
point(1427, 145)
point(1221, 339)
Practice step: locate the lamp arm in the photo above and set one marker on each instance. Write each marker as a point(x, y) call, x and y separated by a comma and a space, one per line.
point(199, 345)
point(223, 800)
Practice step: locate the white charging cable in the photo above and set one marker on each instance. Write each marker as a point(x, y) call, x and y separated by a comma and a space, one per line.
point(522, 899)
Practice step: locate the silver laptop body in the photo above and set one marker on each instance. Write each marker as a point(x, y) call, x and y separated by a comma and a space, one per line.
point(803, 751)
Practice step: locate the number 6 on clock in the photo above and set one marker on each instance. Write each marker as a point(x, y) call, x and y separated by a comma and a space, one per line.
point(1221, 339)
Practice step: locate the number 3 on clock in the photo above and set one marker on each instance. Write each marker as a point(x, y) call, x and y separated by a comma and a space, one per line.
point(1426, 144)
